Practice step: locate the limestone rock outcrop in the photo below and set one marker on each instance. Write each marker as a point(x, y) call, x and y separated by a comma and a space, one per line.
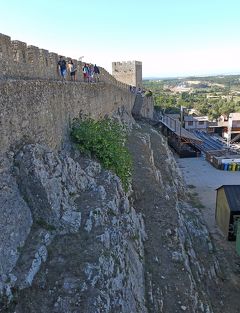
point(84, 252)
point(15, 225)
point(48, 183)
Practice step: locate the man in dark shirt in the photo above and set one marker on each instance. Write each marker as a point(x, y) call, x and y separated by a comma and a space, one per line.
point(62, 66)
point(96, 73)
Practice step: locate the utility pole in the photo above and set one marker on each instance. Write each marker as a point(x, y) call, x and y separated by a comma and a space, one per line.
point(181, 121)
point(229, 131)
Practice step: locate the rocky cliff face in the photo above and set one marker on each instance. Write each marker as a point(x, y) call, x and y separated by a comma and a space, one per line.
point(15, 226)
point(84, 250)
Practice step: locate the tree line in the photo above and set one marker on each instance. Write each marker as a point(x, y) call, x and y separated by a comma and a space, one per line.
point(213, 101)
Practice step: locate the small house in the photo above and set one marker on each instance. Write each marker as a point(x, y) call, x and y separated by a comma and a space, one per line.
point(228, 209)
point(196, 122)
point(232, 125)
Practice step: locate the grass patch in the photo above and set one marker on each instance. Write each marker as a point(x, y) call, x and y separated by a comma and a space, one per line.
point(194, 201)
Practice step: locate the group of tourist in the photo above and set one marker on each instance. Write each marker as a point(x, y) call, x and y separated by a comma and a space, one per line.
point(91, 73)
point(140, 91)
point(134, 89)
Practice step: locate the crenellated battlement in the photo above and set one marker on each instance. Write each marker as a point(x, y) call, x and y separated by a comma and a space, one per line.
point(129, 72)
point(126, 63)
point(21, 61)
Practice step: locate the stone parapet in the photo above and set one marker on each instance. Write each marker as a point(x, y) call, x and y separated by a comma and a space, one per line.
point(20, 61)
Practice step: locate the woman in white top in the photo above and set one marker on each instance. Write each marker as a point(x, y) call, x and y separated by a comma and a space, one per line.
point(72, 69)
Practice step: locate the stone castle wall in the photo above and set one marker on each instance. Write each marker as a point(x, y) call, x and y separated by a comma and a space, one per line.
point(35, 106)
point(129, 72)
point(42, 111)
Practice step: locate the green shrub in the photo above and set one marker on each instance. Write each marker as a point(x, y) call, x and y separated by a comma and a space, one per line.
point(105, 140)
point(148, 93)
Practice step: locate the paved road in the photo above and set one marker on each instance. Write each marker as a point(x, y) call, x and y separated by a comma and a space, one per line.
point(206, 179)
point(198, 172)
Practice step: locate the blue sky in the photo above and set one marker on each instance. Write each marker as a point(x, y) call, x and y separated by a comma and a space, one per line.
point(170, 37)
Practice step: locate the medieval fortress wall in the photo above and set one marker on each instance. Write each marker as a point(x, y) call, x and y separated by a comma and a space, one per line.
point(21, 61)
point(35, 106)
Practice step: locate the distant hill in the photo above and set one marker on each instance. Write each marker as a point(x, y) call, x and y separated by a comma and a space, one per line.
point(228, 81)
point(219, 79)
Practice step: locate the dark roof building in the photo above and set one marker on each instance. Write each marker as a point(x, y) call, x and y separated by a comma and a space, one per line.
point(233, 196)
point(228, 209)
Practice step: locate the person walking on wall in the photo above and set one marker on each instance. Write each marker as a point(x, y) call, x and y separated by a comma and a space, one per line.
point(72, 70)
point(85, 73)
point(62, 67)
point(96, 73)
point(91, 73)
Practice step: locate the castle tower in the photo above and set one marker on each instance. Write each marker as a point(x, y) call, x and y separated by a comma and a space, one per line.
point(129, 72)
